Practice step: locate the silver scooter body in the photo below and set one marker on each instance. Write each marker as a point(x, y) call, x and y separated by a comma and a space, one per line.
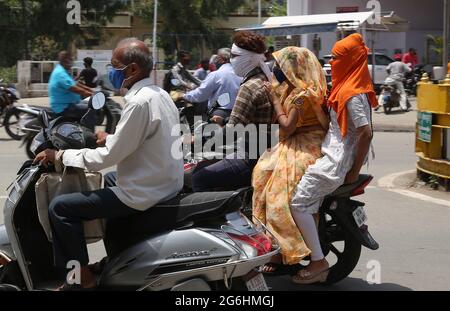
point(185, 257)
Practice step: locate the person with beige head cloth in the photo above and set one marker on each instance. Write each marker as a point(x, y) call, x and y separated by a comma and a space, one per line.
point(297, 93)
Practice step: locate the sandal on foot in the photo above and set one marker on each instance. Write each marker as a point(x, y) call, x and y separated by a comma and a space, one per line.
point(306, 277)
point(278, 268)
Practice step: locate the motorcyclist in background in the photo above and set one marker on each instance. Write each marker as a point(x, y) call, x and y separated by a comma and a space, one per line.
point(217, 83)
point(180, 72)
point(64, 92)
point(396, 71)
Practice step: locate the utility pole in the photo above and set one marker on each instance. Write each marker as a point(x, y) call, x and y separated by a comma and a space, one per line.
point(25, 25)
point(155, 48)
point(445, 34)
point(259, 12)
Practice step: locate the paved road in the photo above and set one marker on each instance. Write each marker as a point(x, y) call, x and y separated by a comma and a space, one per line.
point(413, 235)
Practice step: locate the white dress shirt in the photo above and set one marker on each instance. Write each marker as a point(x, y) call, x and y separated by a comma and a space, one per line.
point(149, 163)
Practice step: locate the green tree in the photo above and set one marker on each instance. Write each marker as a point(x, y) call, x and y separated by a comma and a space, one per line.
point(436, 45)
point(187, 24)
point(22, 21)
point(278, 8)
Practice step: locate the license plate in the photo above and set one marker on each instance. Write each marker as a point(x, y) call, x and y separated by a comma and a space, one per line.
point(256, 283)
point(360, 216)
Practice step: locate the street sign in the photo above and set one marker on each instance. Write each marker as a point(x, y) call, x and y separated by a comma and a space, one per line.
point(425, 122)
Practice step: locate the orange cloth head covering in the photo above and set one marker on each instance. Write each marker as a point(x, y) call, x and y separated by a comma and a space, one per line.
point(350, 76)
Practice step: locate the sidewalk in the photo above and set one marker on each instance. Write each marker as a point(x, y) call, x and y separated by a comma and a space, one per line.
point(397, 121)
point(407, 183)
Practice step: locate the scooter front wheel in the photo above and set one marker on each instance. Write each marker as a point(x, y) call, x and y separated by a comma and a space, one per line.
point(11, 123)
point(9, 288)
point(28, 151)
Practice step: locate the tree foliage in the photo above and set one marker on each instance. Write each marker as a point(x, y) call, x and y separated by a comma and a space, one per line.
point(185, 24)
point(22, 21)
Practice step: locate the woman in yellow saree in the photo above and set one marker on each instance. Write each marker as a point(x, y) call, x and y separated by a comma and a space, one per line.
point(297, 93)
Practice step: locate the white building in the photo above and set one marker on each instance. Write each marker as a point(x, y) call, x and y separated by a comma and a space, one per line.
point(424, 18)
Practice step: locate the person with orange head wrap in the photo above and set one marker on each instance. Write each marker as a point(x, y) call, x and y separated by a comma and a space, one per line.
point(344, 149)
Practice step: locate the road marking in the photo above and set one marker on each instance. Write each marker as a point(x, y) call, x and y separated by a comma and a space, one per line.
point(387, 182)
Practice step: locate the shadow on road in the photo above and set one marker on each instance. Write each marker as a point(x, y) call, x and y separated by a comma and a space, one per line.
point(284, 283)
point(394, 112)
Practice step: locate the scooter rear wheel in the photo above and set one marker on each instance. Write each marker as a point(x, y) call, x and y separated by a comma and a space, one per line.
point(341, 246)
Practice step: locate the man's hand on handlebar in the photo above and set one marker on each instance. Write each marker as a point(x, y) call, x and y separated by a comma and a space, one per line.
point(45, 157)
point(81, 90)
point(217, 119)
point(101, 138)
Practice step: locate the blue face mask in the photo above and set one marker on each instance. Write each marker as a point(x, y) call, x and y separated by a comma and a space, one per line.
point(279, 75)
point(117, 77)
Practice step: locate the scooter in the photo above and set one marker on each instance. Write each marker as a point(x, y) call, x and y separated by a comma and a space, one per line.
point(202, 131)
point(29, 126)
point(391, 96)
point(198, 241)
point(342, 222)
point(8, 96)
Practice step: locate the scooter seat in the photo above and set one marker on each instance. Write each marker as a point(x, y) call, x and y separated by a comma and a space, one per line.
point(183, 210)
point(348, 188)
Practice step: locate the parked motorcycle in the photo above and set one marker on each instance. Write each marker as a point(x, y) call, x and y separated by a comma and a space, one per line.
point(198, 241)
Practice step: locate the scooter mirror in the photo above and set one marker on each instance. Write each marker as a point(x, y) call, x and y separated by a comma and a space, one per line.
point(43, 118)
point(224, 99)
point(175, 82)
point(97, 101)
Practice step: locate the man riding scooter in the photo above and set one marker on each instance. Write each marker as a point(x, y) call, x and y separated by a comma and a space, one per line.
point(396, 71)
point(64, 92)
point(217, 83)
point(148, 171)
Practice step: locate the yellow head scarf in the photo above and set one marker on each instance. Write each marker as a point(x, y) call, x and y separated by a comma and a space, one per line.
point(302, 68)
